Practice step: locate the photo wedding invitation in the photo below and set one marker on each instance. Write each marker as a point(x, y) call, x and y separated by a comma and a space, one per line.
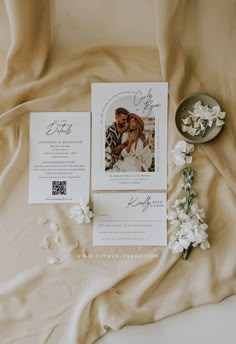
point(59, 169)
point(129, 155)
point(129, 149)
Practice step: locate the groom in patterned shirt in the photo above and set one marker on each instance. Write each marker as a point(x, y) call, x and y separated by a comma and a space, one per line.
point(113, 143)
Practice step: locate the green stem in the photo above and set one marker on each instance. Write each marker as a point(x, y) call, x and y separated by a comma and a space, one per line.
point(187, 201)
point(186, 252)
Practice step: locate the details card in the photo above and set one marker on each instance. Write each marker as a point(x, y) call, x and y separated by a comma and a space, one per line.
point(125, 219)
point(129, 122)
point(59, 166)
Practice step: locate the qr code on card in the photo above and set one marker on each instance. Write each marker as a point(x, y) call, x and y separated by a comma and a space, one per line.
point(59, 188)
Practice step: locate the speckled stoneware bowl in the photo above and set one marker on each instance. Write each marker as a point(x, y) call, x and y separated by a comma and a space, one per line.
point(187, 105)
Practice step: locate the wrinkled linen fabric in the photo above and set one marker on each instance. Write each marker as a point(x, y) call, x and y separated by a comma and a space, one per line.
point(50, 52)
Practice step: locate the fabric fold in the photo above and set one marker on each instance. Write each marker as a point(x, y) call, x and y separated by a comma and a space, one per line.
point(79, 300)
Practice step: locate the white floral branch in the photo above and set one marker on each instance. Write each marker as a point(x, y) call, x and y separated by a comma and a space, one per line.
point(186, 216)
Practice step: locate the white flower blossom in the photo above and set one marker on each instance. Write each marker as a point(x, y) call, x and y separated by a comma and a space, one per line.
point(81, 213)
point(182, 153)
point(204, 245)
point(186, 121)
point(219, 122)
point(200, 234)
point(178, 242)
point(182, 216)
point(179, 202)
point(191, 230)
point(198, 212)
point(173, 218)
point(190, 233)
point(175, 246)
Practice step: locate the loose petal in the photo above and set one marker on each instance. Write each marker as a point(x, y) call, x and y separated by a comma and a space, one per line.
point(55, 260)
point(73, 247)
point(57, 239)
point(45, 244)
point(221, 115)
point(42, 220)
point(54, 227)
point(219, 122)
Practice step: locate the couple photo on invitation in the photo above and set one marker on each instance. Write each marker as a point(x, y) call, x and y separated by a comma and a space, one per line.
point(129, 142)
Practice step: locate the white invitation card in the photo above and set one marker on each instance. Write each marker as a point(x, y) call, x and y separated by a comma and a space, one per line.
point(59, 169)
point(129, 130)
point(130, 218)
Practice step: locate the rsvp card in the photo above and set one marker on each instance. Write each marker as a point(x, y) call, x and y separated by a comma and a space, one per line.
point(59, 166)
point(125, 219)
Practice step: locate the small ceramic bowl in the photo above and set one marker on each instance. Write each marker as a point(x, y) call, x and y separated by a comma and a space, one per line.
point(187, 105)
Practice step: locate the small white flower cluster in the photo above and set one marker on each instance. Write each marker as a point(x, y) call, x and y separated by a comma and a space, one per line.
point(202, 117)
point(181, 153)
point(191, 229)
point(81, 213)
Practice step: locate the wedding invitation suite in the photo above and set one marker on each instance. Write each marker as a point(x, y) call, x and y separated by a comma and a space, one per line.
point(129, 219)
point(129, 149)
point(129, 156)
point(59, 169)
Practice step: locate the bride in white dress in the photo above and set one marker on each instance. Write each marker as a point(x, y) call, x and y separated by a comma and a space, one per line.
point(137, 156)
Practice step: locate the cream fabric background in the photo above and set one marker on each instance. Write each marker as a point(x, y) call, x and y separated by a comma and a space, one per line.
point(49, 58)
point(204, 324)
